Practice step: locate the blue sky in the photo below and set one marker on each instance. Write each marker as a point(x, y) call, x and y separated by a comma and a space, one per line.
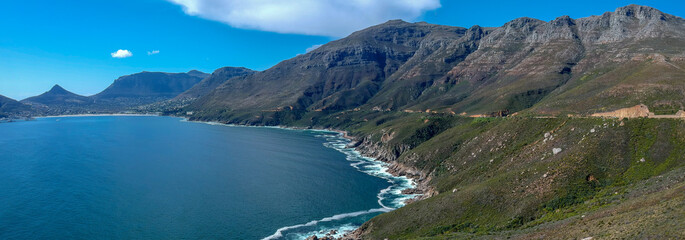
point(70, 42)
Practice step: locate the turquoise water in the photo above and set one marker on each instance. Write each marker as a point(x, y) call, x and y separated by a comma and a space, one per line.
point(164, 178)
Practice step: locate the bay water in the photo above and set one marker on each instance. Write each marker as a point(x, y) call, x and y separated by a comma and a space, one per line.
point(146, 177)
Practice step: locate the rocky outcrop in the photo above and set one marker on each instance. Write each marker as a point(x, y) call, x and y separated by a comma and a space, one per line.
point(637, 111)
point(388, 154)
point(320, 238)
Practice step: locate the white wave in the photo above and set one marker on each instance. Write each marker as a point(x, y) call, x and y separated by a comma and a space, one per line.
point(279, 232)
point(339, 231)
point(366, 165)
point(375, 168)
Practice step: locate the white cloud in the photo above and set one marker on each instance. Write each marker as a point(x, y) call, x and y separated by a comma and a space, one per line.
point(121, 53)
point(336, 18)
point(312, 48)
point(153, 52)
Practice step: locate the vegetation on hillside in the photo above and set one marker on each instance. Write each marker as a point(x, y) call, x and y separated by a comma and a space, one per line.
point(527, 177)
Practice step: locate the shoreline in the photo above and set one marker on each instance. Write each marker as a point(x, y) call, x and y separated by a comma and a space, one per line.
point(419, 190)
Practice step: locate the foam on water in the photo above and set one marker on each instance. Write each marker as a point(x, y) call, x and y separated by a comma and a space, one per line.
point(340, 231)
point(389, 198)
point(279, 232)
point(375, 168)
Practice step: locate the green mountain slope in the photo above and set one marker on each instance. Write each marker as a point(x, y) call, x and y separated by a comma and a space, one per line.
point(523, 176)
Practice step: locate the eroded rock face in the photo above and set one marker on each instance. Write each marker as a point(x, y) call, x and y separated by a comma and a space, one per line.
point(382, 152)
point(633, 21)
point(681, 114)
point(631, 112)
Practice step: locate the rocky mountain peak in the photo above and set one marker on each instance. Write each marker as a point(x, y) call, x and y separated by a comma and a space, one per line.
point(640, 12)
point(394, 21)
point(57, 96)
point(57, 89)
point(563, 21)
point(395, 32)
point(630, 22)
point(475, 32)
point(523, 22)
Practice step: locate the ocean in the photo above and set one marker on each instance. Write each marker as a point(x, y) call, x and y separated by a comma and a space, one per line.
point(147, 177)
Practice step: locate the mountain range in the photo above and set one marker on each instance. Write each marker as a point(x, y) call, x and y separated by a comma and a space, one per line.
point(570, 66)
point(528, 66)
point(123, 94)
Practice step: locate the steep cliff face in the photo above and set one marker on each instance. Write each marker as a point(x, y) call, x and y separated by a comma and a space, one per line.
point(514, 67)
point(623, 58)
point(435, 58)
point(632, 56)
point(632, 22)
point(340, 75)
point(575, 65)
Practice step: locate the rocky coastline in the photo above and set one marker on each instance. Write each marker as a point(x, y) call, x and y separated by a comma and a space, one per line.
point(368, 148)
point(371, 149)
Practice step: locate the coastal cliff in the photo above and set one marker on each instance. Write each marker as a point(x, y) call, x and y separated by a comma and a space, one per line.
point(367, 147)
